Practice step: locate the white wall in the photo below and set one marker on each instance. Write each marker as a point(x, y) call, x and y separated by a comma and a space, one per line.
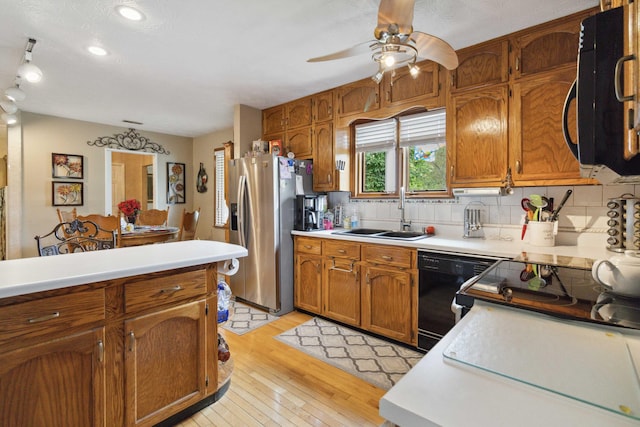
point(43, 135)
point(203, 148)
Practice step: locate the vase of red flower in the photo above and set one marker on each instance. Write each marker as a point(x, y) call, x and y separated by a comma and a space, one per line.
point(130, 209)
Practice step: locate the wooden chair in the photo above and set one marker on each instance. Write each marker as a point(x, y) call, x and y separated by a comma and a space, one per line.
point(107, 224)
point(188, 224)
point(75, 236)
point(153, 217)
point(67, 216)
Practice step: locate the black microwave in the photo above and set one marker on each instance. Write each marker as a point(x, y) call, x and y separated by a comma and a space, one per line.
point(600, 116)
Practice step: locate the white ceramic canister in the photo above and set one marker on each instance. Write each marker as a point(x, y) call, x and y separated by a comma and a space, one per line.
point(542, 233)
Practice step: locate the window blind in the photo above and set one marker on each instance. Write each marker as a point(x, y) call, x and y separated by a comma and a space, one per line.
point(376, 136)
point(221, 203)
point(424, 128)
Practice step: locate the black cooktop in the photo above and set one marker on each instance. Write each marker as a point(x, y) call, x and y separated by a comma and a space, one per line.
point(560, 291)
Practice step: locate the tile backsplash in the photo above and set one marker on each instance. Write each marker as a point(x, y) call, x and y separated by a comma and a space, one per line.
point(584, 212)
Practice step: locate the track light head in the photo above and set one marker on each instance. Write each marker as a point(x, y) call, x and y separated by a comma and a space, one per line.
point(15, 94)
point(30, 72)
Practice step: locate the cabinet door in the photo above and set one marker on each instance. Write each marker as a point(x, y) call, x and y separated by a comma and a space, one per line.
point(481, 65)
point(323, 106)
point(547, 48)
point(323, 158)
point(273, 120)
point(401, 87)
point(298, 113)
point(299, 142)
point(537, 148)
point(358, 97)
point(56, 383)
point(308, 282)
point(165, 359)
point(477, 136)
point(387, 302)
point(341, 290)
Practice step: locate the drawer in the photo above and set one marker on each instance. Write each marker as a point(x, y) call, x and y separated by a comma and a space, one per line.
point(164, 290)
point(387, 255)
point(308, 245)
point(50, 315)
point(341, 249)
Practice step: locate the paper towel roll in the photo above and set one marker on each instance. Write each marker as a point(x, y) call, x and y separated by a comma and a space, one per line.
point(228, 267)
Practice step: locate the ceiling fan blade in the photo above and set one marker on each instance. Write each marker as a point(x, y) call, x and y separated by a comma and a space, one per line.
point(358, 49)
point(399, 12)
point(435, 49)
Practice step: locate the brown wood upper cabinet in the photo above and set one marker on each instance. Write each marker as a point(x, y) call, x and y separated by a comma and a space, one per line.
point(546, 48)
point(273, 120)
point(298, 113)
point(481, 65)
point(400, 87)
point(322, 104)
point(358, 97)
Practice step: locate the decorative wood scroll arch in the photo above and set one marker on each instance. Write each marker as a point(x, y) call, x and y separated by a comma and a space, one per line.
point(130, 140)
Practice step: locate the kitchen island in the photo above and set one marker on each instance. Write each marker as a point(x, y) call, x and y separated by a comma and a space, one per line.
point(126, 336)
point(442, 391)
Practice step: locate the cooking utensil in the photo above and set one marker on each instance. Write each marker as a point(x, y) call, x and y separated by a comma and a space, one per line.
point(538, 202)
point(527, 273)
point(526, 205)
point(536, 282)
point(554, 216)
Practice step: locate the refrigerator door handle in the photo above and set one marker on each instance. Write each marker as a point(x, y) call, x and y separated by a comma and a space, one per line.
point(242, 189)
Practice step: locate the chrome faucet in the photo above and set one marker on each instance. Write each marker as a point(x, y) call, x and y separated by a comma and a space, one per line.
point(404, 224)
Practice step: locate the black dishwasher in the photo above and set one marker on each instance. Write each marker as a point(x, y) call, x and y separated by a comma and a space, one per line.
point(440, 276)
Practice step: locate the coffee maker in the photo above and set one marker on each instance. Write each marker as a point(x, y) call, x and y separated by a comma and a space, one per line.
point(308, 217)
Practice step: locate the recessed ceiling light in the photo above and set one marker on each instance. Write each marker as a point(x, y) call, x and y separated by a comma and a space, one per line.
point(130, 13)
point(97, 50)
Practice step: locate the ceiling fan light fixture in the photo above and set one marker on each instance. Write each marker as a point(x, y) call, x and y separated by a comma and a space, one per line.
point(97, 50)
point(377, 77)
point(414, 70)
point(15, 94)
point(389, 60)
point(30, 72)
point(9, 119)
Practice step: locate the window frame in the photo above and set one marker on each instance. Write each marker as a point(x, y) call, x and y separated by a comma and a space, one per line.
point(401, 167)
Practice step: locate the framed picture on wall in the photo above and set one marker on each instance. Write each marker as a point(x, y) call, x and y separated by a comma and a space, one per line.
point(67, 193)
point(175, 183)
point(67, 166)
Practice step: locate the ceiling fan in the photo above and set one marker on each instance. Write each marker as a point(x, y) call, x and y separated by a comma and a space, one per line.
point(397, 44)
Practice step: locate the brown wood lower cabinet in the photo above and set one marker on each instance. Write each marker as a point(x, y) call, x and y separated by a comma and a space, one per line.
point(164, 362)
point(125, 352)
point(372, 287)
point(59, 382)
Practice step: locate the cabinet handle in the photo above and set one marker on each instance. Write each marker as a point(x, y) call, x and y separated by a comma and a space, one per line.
point(616, 80)
point(328, 177)
point(45, 317)
point(386, 257)
point(344, 270)
point(100, 351)
point(518, 166)
point(366, 279)
point(175, 288)
point(451, 172)
point(132, 341)
point(342, 251)
point(517, 63)
point(307, 246)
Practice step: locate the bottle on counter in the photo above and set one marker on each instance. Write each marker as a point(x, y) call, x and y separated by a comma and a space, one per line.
point(355, 221)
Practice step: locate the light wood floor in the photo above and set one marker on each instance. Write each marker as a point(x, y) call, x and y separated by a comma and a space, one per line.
point(276, 385)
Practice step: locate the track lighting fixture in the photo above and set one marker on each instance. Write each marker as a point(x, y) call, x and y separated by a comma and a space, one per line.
point(26, 71)
point(393, 53)
point(15, 94)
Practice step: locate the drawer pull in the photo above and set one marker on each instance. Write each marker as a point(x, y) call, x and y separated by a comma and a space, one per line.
point(386, 257)
point(342, 251)
point(100, 351)
point(45, 317)
point(344, 270)
point(175, 288)
point(308, 246)
point(132, 341)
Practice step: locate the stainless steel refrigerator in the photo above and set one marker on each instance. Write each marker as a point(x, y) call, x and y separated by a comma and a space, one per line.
point(262, 193)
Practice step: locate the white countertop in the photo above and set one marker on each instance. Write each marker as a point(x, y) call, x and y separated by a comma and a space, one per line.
point(441, 393)
point(487, 246)
point(28, 275)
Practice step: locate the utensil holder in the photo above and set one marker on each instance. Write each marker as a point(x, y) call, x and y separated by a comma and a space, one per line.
point(473, 214)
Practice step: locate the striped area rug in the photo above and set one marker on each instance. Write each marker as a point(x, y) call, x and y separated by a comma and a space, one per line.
point(374, 360)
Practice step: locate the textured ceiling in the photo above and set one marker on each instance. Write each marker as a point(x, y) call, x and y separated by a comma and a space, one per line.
point(182, 69)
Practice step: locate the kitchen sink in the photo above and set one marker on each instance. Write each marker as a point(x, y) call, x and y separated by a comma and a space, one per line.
point(361, 231)
point(384, 234)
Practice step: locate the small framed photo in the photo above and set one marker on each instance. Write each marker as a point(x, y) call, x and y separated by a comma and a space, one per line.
point(275, 147)
point(67, 166)
point(175, 183)
point(67, 193)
